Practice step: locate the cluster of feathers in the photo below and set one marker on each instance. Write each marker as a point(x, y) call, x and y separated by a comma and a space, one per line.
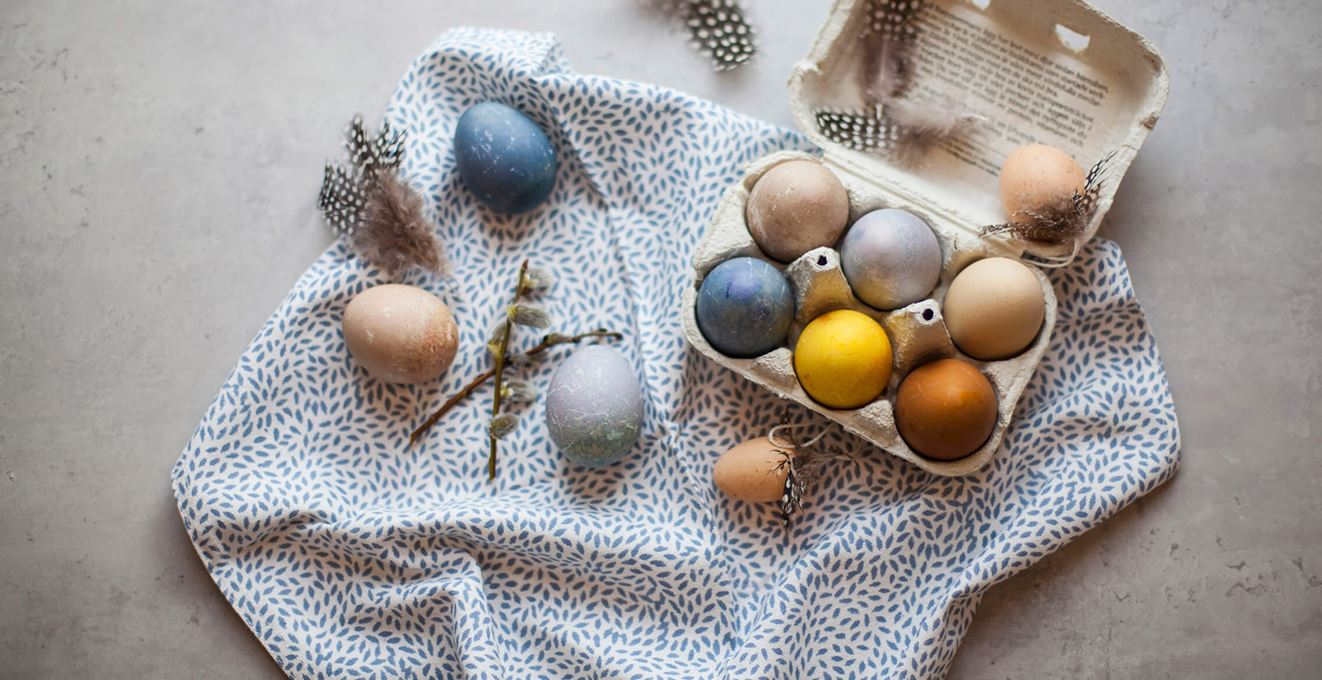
point(372, 206)
point(1063, 221)
point(904, 129)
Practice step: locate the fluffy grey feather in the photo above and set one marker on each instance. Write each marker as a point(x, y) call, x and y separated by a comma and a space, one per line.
point(920, 126)
point(395, 234)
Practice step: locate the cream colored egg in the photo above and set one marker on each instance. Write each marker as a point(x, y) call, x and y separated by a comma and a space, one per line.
point(1037, 178)
point(400, 334)
point(752, 471)
point(994, 308)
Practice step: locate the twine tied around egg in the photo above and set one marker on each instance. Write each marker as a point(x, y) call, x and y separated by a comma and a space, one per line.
point(801, 460)
point(1063, 221)
point(789, 440)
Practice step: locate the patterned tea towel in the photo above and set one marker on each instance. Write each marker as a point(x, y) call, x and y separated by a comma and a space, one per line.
point(351, 554)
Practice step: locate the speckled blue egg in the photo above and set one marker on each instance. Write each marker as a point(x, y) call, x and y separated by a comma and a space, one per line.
point(504, 158)
point(745, 307)
point(594, 409)
point(891, 258)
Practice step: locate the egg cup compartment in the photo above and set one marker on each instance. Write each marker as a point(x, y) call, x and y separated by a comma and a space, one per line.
point(917, 332)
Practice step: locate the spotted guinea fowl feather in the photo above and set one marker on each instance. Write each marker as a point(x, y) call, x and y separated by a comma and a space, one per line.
point(889, 36)
point(717, 29)
point(371, 205)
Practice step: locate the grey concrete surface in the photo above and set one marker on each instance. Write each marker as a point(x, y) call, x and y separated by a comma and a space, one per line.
point(159, 163)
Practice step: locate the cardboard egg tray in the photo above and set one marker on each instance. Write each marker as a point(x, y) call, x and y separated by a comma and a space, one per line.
point(1048, 71)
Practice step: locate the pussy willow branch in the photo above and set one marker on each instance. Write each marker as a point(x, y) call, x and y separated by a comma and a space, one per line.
point(499, 358)
point(549, 341)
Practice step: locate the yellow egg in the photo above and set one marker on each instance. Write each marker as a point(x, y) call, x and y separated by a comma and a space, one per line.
point(1037, 178)
point(843, 359)
point(752, 471)
point(994, 308)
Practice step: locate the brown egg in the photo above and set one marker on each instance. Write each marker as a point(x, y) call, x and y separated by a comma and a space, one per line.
point(795, 207)
point(400, 334)
point(994, 308)
point(945, 409)
point(752, 471)
point(1036, 177)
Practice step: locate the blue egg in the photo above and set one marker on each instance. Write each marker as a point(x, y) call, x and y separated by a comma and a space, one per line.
point(504, 158)
point(745, 307)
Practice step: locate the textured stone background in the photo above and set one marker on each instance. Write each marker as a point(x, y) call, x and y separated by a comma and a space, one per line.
point(159, 163)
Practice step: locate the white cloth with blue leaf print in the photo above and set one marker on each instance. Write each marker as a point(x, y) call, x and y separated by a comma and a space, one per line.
point(351, 554)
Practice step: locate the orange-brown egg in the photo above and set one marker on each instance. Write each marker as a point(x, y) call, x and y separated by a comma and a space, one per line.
point(400, 334)
point(1035, 178)
point(752, 471)
point(945, 409)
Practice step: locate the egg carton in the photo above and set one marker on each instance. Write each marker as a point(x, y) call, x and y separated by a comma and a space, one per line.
point(1101, 87)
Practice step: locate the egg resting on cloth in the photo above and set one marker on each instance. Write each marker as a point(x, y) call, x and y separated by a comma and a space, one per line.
point(753, 471)
point(504, 158)
point(594, 409)
point(351, 554)
point(400, 334)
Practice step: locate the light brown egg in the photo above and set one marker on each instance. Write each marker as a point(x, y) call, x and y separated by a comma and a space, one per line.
point(1036, 177)
point(945, 409)
point(400, 334)
point(994, 308)
point(752, 471)
point(795, 207)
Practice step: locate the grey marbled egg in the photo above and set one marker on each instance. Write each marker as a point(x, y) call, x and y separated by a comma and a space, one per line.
point(594, 409)
point(891, 258)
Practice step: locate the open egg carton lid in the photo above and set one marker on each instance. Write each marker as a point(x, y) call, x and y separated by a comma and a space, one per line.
point(1056, 72)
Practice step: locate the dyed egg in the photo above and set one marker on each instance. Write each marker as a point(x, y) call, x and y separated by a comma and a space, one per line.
point(946, 409)
point(891, 258)
point(594, 407)
point(795, 207)
point(504, 158)
point(843, 359)
point(994, 308)
point(752, 471)
point(1038, 179)
point(745, 307)
point(400, 334)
